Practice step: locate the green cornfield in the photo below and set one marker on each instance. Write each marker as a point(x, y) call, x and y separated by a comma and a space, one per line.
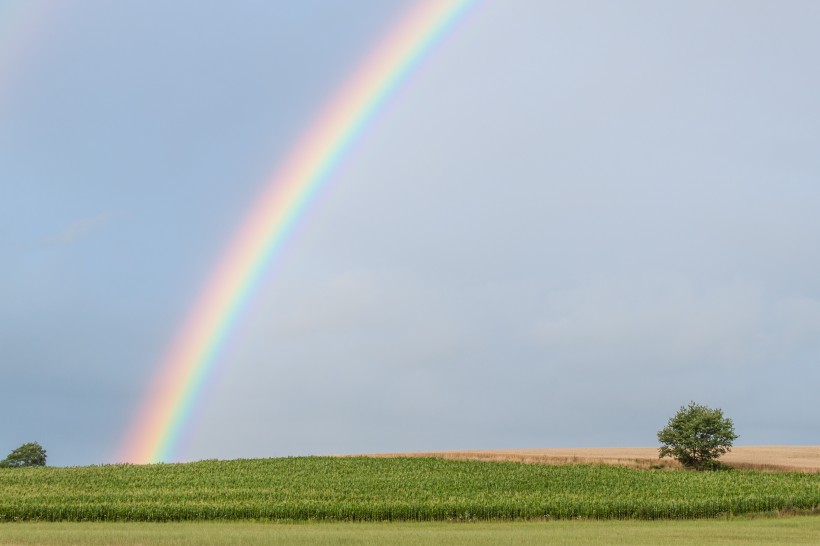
point(406, 489)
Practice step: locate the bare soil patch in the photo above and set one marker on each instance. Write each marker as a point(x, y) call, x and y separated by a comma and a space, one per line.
point(766, 458)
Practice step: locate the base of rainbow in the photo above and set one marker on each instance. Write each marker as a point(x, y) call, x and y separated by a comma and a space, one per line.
point(170, 399)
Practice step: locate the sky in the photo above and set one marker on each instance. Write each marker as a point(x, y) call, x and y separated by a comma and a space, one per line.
point(568, 221)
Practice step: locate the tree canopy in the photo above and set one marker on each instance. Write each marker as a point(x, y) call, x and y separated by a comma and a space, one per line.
point(30, 454)
point(696, 436)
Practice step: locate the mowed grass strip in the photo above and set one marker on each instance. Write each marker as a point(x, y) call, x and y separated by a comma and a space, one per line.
point(400, 489)
point(793, 530)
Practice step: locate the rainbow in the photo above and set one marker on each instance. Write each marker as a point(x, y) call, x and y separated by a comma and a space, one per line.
point(23, 27)
point(193, 354)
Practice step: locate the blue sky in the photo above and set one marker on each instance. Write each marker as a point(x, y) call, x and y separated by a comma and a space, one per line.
point(570, 220)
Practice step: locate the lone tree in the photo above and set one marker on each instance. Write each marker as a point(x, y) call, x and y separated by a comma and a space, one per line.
point(30, 454)
point(696, 436)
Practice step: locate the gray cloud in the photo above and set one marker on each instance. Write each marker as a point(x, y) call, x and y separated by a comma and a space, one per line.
point(568, 221)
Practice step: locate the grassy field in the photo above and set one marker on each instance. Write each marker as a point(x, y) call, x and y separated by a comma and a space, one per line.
point(398, 489)
point(793, 530)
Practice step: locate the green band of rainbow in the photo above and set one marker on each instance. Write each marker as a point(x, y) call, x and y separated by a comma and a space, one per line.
point(170, 400)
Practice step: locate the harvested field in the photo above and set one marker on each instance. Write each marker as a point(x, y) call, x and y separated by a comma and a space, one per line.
point(765, 458)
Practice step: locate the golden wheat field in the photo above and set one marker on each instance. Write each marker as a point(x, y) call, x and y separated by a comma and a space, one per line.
point(771, 458)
